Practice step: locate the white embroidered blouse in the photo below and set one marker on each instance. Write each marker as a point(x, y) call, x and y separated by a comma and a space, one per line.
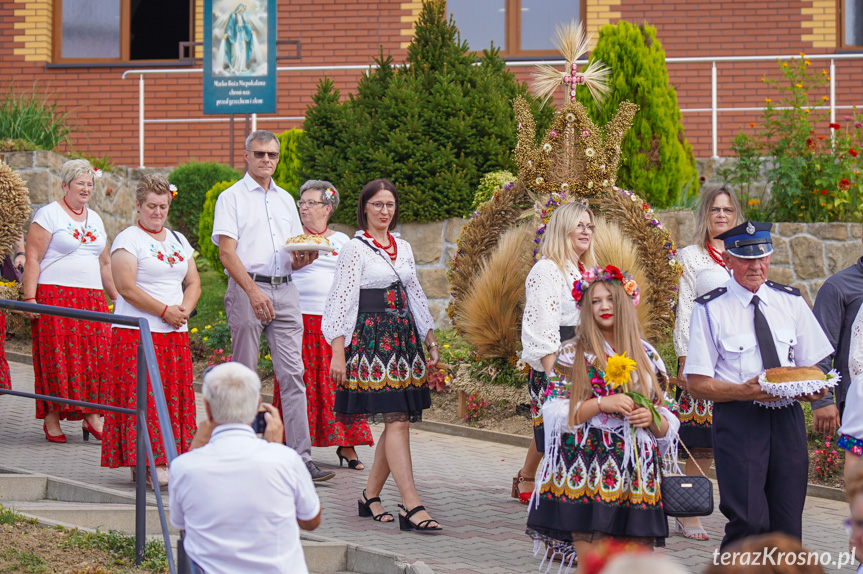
point(694, 259)
point(362, 268)
point(548, 305)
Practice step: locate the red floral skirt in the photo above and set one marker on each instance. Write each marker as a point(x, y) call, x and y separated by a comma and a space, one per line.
point(5, 382)
point(175, 368)
point(321, 393)
point(70, 357)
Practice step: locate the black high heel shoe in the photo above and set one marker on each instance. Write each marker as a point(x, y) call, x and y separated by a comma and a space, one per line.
point(423, 527)
point(352, 464)
point(364, 508)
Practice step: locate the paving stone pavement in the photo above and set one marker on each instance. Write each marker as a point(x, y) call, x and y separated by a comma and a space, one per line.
point(463, 482)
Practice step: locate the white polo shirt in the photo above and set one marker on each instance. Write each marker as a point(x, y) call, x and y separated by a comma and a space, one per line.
point(725, 347)
point(261, 221)
point(238, 498)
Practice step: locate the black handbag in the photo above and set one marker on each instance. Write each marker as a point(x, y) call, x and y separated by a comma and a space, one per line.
point(195, 310)
point(684, 496)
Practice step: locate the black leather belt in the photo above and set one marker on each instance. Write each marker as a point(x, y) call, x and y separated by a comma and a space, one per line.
point(270, 280)
point(567, 332)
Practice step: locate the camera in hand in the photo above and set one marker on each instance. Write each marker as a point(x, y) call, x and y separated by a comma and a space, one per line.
point(259, 425)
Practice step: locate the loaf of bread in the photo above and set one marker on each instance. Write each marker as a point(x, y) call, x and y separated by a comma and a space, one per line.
point(316, 239)
point(790, 374)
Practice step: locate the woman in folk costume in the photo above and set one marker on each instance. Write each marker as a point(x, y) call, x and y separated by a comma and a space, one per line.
point(718, 211)
point(604, 446)
point(851, 432)
point(550, 315)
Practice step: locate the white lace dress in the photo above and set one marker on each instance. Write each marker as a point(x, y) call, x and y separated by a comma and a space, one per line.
point(851, 431)
point(548, 306)
point(386, 366)
point(696, 415)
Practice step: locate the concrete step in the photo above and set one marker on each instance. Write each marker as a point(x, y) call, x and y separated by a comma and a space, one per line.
point(105, 517)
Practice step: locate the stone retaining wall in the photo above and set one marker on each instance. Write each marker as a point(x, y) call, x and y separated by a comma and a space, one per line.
point(805, 253)
point(113, 196)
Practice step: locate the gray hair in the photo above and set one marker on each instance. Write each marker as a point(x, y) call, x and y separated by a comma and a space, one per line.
point(232, 390)
point(702, 214)
point(322, 186)
point(261, 136)
point(75, 168)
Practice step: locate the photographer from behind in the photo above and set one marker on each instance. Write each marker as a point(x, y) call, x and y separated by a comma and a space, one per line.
point(240, 499)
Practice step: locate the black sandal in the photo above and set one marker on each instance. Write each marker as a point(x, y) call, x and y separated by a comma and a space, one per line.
point(423, 527)
point(364, 508)
point(352, 464)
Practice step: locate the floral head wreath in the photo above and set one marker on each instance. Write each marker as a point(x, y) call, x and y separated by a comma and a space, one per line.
point(173, 189)
point(611, 274)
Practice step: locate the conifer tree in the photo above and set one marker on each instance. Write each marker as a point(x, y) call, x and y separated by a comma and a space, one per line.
point(657, 159)
point(433, 127)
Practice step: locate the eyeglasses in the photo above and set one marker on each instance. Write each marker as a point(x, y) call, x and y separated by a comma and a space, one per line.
point(378, 206)
point(263, 154)
point(581, 228)
point(851, 524)
point(718, 210)
point(301, 203)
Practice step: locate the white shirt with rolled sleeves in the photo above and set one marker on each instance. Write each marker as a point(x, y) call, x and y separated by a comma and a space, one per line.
point(261, 221)
point(238, 498)
point(726, 348)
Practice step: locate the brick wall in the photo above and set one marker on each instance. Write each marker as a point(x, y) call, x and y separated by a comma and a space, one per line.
point(105, 107)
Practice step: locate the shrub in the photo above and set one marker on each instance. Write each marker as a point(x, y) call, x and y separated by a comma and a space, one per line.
point(658, 161)
point(206, 247)
point(810, 164)
point(30, 117)
point(193, 179)
point(287, 174)
point(432, 127)
point(488, 185)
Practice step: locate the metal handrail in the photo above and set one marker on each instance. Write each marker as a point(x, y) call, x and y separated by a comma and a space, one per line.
point(714, 108)
point(147, 365)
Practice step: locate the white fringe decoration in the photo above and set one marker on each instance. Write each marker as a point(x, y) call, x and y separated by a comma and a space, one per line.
point(788, 391)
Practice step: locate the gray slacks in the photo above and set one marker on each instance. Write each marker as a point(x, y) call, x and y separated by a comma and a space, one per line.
point(285, 337)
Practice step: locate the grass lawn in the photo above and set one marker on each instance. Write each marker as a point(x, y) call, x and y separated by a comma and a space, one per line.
point(212, 301)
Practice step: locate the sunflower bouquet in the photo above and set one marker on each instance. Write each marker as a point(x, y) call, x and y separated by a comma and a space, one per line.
point(618, 377)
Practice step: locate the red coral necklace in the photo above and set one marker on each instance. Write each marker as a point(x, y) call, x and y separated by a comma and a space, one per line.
point(391, 249)
point(150, 230)
point(70, 207)
point(715, 255)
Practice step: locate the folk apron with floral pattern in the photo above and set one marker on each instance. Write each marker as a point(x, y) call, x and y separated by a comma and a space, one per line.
point(385, 364)
point(591, 494)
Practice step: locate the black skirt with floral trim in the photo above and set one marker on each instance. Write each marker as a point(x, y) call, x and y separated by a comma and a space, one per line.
point(385, 364)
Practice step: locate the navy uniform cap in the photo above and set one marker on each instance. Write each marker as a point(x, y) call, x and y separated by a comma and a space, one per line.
point(749, 240)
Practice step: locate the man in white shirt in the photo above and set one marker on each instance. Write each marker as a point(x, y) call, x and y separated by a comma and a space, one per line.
point(253, 220)
point(240, 499)
point(737, 331)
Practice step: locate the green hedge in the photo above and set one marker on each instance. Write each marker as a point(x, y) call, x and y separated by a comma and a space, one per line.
point(657, 161)
point(193, 179)
point(206, 247)
point(433, 127)
point(489, 184)
point(287, 174)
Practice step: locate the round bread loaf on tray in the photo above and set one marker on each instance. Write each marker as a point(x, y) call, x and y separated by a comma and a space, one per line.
point(305, 239)
point(790, 374)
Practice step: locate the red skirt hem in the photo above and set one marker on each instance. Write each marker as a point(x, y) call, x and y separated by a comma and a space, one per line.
point(324, 429)
point(70, 357)
point(175, 368)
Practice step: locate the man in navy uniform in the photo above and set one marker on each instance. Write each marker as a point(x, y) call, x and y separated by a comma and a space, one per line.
point(737, 332)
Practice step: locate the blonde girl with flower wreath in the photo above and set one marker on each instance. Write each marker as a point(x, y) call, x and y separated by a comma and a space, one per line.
point(601, 475)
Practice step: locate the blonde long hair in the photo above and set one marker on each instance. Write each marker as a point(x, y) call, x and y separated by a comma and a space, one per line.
point(627, 339)
point(556, 244)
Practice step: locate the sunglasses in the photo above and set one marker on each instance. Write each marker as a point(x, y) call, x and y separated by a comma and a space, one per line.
point(263, 154)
